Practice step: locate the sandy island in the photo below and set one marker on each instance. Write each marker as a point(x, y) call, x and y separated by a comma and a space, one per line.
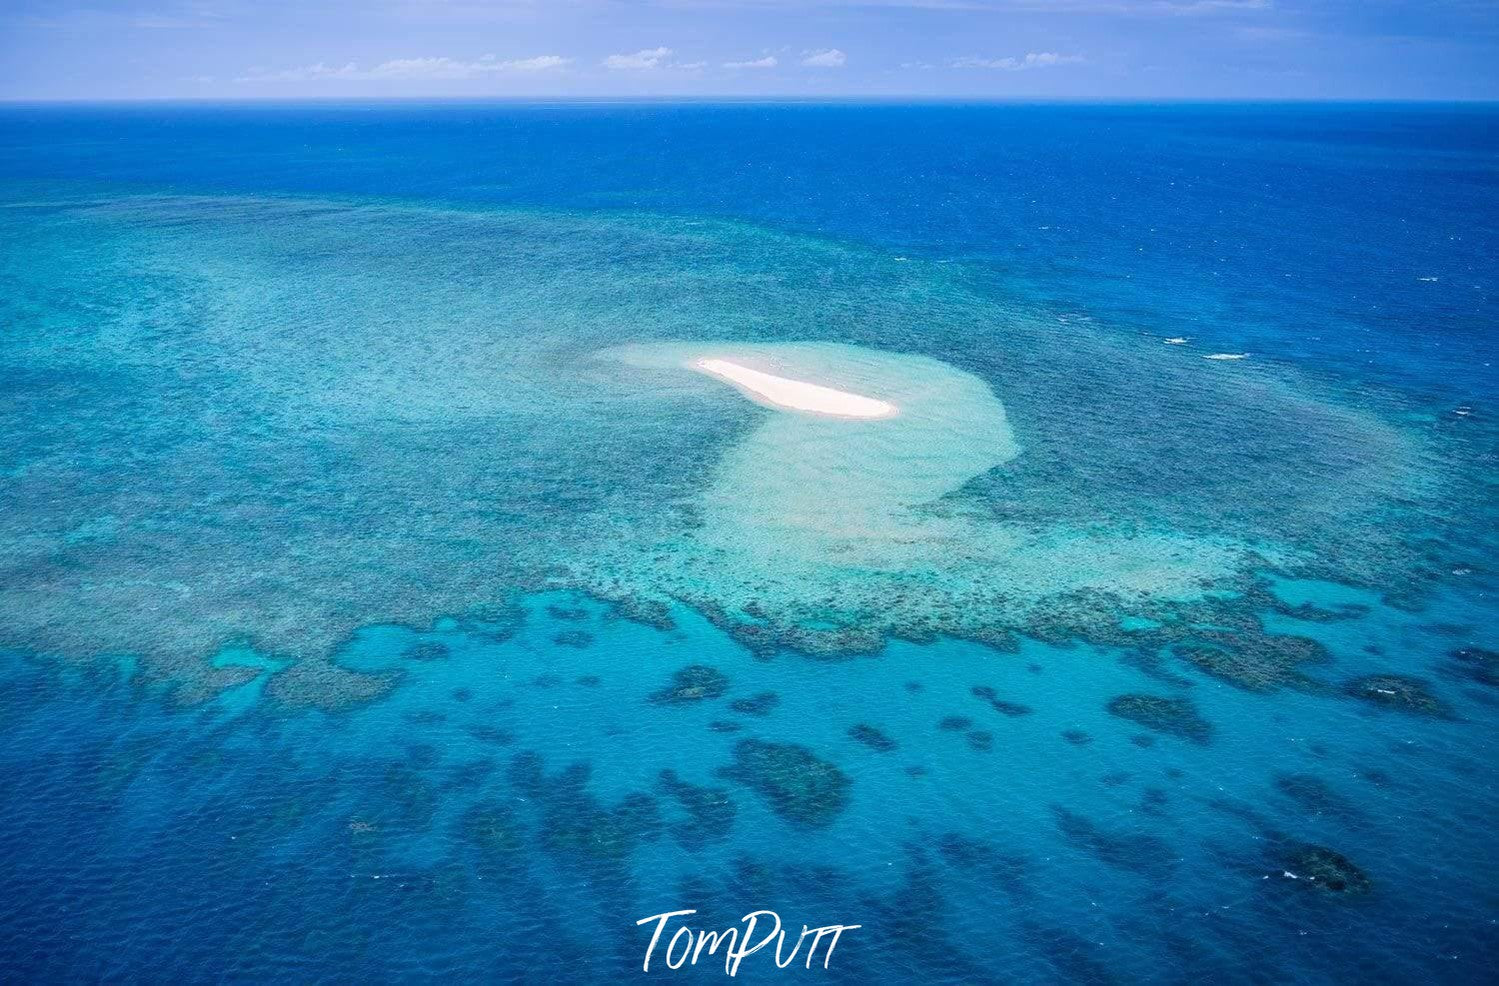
point(796, 395)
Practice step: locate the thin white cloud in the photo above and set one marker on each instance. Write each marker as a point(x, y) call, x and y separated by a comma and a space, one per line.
point(541, 63)
point(1034, 59)
point(410, 68)
point(646, 58)
point(302, 73)
point(769, 61)
point(825, 58)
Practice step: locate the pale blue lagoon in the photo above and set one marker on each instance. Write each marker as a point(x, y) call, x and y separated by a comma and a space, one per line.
point(387, 595)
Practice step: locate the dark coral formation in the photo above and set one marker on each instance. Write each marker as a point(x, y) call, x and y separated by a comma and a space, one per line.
point(575, 828)
point(492, 828)
point(798, 785)
point(589, 681)
point(1327, 871)
point(1475, 664)
point(1399, 692)
point(210, 682)
point(573, 638)
point(407, 799)
point(1310, 613)
point(763, 639)
point(976, 858)
point(497, 622)
point(426, 650)
point(998, 704)
point(570, 614)
point(652, 613)
point(762, 704)
point(955, 724)
point(324, 685)
point(1172, 716)
point(1314, 795)
point(710, 812)
point(1256, 662)
point(981, 741)
point(872, 737)
point(492, 734)
point(1076, 737)
point(693, 683)
point(1139, 853)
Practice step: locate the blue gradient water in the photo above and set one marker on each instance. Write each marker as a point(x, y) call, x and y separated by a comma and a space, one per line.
point(345, 566)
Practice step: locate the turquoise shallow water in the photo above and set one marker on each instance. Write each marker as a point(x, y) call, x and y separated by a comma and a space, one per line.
point(384, 598)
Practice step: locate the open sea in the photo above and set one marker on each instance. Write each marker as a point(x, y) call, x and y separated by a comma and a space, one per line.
point(382, 598)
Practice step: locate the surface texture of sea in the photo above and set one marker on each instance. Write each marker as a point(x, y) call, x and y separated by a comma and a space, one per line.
point(380, 599)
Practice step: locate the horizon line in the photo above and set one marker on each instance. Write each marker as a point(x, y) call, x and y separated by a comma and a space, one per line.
point(782, 98)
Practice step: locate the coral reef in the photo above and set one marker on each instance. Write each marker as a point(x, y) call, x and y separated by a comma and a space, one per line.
point(872, 737)
point(998, 704)
point(1400, 692)
point(761, 704)
point(209, 683)
point(1314, 795)
point(492, 828)
point(798, 785)
point(1172, 716)
point(977, 858)
point(1474, 664)
point(1256, 662)
point(425, 650)
point(710, 812)
point(576, 828)
point(693, 683)
point(324, 685)
point(1326, 871)
point(1145, 854)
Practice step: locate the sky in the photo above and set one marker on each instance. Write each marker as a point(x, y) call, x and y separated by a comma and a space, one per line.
point(998, 49)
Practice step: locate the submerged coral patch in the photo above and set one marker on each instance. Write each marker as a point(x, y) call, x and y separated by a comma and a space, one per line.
point(759, 704)
point(1002, 706)
point(872, 737)
point(1326, 870)
point(325, 685)
point(1172, 716)
point(1479, 665)
point(710, 811)
point(798, 785)
point(693, 683)
point(1400, 692)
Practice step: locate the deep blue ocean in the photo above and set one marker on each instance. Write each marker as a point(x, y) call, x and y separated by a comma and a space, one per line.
point(383, 597)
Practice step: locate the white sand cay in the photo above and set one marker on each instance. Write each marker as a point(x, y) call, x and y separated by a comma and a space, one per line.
point(797, 395)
